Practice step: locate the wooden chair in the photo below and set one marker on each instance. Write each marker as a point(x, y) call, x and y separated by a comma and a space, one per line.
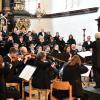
point(35, 90)
point(61, 85)
point(17, 85)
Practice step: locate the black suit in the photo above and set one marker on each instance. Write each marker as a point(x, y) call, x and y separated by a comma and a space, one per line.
point(96, 60)
point(46, 36)
point(11, 73)
point(86, 44)
point(41, 34)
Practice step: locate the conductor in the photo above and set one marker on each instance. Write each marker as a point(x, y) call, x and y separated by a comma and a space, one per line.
point(96, 59)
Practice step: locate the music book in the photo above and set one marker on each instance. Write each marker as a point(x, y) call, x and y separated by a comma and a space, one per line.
point(89, 70)
point(85, 54)
point(27, 72)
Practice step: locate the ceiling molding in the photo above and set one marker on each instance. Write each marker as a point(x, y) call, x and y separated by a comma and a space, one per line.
point(72, 13)
point(61, 14)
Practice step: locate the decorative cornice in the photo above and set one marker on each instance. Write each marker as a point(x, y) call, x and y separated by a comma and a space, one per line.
point(62, 14)
point(72, 13)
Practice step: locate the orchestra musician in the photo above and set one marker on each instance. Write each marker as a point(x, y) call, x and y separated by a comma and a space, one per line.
point(12, 65)
point(41, 77)
point(72, 73)
point(6, 92)
point(27, 57)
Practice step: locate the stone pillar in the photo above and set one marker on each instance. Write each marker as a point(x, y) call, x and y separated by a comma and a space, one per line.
point(98, 20)
point(6, 5)
point(0, 5)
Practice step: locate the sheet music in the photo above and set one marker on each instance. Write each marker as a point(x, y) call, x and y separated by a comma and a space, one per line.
point(89, 70)
point(85, 54)
point(27, 72)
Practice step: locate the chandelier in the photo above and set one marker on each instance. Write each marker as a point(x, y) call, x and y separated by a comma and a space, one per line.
point(39, 12)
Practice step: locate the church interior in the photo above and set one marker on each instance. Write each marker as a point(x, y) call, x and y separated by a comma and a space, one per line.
point(49, 49)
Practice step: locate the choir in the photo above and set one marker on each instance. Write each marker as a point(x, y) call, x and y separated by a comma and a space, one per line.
point(49, 54)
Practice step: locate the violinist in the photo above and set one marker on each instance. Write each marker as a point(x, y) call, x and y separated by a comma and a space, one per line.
point(12, 65)
point(6, 92)
point(41, 77)
point(25, 55)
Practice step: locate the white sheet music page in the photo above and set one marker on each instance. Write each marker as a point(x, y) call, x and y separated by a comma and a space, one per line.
point(85, 54)
point(87, 73)
point(27, 72)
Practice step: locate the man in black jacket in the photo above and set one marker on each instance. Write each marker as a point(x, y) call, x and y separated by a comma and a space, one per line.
point(87, 43)
point(96, 59)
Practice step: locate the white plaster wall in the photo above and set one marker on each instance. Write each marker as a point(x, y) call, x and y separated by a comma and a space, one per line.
point(37, 25)
point(68, 25)
point(74, 25)
point(31, 5)
point(66, 5)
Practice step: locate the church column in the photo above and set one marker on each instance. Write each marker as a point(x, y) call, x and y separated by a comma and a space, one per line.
point(0, 5)
point(6, 4)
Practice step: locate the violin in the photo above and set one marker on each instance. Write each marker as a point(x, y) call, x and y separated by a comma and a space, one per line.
point(30, 55)
point(13, 59)
point(54, 58)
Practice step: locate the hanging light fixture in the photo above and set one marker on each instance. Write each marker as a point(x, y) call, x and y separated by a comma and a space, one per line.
point(39, 12)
